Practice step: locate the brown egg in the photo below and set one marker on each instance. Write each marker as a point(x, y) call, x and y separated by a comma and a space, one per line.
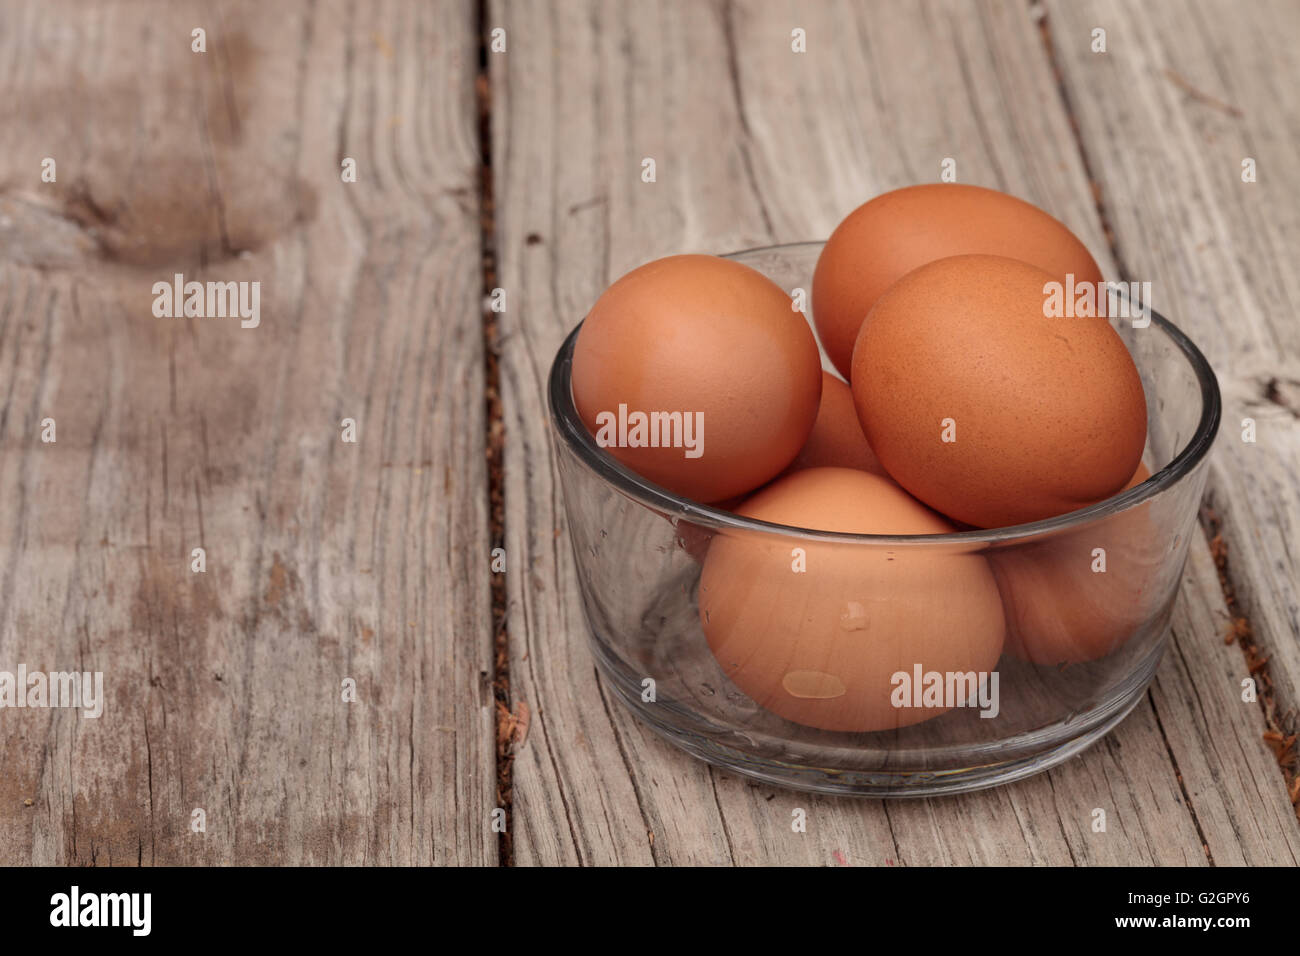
point(1080, 595)
point(723, 373)
point(883, 240)
point(988, 411)
point(821, 646)
point(1139, 476)
point(836, 439)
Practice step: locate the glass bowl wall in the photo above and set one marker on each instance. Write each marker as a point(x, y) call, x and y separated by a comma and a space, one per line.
point(1082, 645)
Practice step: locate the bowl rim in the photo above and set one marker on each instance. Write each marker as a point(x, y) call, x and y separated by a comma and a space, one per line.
point(566, 422)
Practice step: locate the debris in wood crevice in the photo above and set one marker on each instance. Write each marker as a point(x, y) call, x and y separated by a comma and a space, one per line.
point(512, 726)
point(1285, 393)
point(507, 722)
point(1280, 736)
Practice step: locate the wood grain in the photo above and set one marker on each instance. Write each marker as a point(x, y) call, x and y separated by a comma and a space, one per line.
point(739, 127)
point(328, 560)
point(325, 560)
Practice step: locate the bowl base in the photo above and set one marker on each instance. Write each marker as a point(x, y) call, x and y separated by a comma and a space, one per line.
point(1063, 742)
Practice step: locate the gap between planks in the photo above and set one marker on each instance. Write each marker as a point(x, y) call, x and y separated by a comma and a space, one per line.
point(494, 441)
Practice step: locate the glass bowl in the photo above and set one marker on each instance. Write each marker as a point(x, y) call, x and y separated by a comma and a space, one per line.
point(1086, 599)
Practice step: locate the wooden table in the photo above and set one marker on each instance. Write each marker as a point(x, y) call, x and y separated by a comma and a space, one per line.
point(370, 561)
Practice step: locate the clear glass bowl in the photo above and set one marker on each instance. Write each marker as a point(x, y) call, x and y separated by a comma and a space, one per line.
point(1081, 645)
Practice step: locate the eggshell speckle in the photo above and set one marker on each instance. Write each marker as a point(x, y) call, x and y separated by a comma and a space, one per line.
point(987, 410)
point(820, 646)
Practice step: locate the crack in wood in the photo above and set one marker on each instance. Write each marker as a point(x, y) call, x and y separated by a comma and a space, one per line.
point(494, 422)
point(1280, 735)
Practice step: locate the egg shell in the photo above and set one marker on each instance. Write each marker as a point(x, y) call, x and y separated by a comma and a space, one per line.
point(985, 409)
point(886, 238)
point(1059, 609)
point(836, 440)
point(708, 338)
point(1139, 476)
point(821, 646)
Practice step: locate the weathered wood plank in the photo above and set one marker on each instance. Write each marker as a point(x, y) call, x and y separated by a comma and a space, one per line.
point(1215, 738)
point(1185, 93)
point(325, 560)
point(739, 127)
